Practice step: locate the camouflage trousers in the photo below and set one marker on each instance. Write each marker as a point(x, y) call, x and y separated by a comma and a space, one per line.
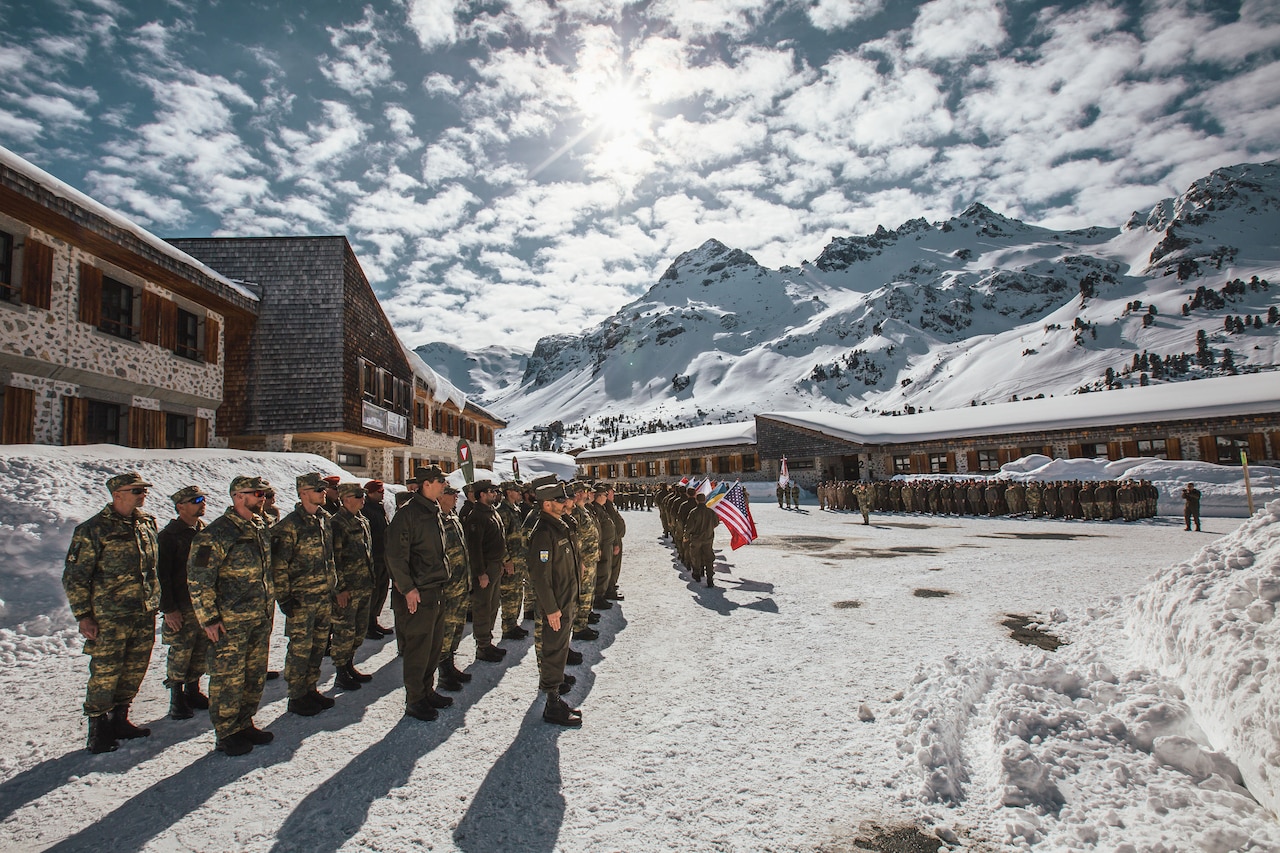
point(308, 633)
point(515, 592)
point(188, 648)
point(118, 660)
point(237, 666)
point(456, 600)
point(349, 625)
point(552, 649)
point(586, 597)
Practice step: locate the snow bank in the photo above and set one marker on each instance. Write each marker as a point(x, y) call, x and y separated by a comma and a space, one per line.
point(1209, 624)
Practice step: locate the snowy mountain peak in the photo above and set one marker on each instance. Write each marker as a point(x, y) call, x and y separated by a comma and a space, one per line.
point(709, 258)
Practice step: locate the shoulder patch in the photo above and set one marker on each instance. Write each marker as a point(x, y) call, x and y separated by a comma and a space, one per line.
point(202, 556)
point(544, 556)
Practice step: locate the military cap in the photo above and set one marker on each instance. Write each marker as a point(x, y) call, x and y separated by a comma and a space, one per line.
point(350, 490)
point(512, 486)
point(449, 489)
point(248, 484)
point(374, 486)
point(553, 491)
point(482, 486)
point(603, 488)
point(576, 486)
point(333, 480)
point(544, 480)
point(186, 493)
point(403, 498)
point(127, 480)
point(311, 481)
point(425, 474)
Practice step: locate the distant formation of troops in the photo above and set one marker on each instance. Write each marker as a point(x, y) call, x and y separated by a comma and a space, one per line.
point(1068, 499)
point(690, 525)
point(548, 551)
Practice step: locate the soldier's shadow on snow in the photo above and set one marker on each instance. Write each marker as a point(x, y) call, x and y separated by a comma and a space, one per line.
point(714, 598)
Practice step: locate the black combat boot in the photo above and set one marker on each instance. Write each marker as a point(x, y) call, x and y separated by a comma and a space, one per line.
point(303, 706)
point(574, 658)
point(491, 653)
point(593, 618)
point(362, 677)
point(421, 711)
point(236, 744)
point(197, 700)
point(179, 708)
point(587, 633)
point(445, 679)
point(438, 700)
point(256, 736)
point(122, 728)
point(613, 595)
point(101, 738)
point(515, 632)
point(559, 713)
point(325, 702)
point(344, 681)
point(458, 674)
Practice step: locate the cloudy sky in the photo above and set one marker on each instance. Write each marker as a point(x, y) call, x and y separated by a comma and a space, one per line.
point(512, 168)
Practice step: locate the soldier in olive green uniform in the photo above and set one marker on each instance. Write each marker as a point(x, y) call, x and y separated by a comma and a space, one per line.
point(353, 562)
point(516, 597)
point(229, 573)
point(701, 531)
point(111, 585)
point(188, 645)
point(554, 569)
point(305, 579)
point(608, 545)
point(611, 592)
point(588, 545)
point(457, 592)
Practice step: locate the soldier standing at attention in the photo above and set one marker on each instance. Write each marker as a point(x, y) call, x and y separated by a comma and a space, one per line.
point(188, 645)
point(269, 512)
point(1191, 506)
point(611, 592)
point(353, 562)
point(457, 597)
point(701, 531)
point(514, 584)
point(553, 570)
point(110, 581)
point(608, 545)
point(229, 573)
point(375, 512)
point(419, 572)
point(303, 573)
point(588, 546)
point(487, 552)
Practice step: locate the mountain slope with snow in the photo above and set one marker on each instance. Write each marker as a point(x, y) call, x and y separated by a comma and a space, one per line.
point(979, 308)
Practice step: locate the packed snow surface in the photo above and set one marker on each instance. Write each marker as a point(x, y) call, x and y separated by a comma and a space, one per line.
point(839, 676)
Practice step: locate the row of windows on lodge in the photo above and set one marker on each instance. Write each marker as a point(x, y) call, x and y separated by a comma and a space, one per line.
point(87, 421)
point(382, 388)
point(744, 464)
point(113, 307)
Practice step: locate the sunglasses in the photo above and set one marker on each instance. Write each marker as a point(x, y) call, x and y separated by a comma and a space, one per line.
point(320, 489)
point(137, 491)
point(198, 499)
point(257, 493)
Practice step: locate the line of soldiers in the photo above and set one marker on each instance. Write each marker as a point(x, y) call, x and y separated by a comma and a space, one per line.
point(690, 525)
point(789, 494)
point(327, 566)
point(1070, 499)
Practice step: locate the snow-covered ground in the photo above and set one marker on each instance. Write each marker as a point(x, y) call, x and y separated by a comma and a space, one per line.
point(842, 680)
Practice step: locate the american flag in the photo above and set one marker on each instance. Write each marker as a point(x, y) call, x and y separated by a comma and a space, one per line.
point(736, 515)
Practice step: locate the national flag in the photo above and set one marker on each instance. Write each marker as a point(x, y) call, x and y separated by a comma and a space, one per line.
point(736, 515)
point(717, 493)
point(705, 487)
point(784, 476)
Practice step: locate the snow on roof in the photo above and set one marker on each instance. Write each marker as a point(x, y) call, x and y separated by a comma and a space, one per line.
point(713, 435)
point(442, 390)
point(119, 220)
point(1257, 393)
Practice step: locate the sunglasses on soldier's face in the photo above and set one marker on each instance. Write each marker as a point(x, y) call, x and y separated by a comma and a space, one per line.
point(138, 491)
point(257, 494)
point(198, 499)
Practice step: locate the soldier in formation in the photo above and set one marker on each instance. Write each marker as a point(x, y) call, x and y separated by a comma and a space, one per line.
point(353, 565)
point(180, 631)
point(1105, 500)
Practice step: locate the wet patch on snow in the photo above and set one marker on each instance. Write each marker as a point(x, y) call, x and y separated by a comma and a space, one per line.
point(1023, 629)
point(851, 604)
point(874, 837)
point(930, 593)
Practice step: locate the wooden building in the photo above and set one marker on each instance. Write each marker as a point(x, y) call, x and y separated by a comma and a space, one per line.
point(107, 333)
point(442, 415)
point(723, 451)
point(321, 371)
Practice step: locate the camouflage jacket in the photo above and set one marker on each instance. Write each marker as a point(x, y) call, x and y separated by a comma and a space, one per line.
point(588, 540)
point(352, 552)
point(513, 520)
point(229, 569)
point(455, 552)
point(302, 555)
point(111, 566)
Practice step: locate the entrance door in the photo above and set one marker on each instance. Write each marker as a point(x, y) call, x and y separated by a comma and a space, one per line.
point(397, 468)
point(852, 467)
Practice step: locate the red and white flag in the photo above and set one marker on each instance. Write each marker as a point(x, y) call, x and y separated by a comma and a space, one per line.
point(736, 515)
point(784, 477)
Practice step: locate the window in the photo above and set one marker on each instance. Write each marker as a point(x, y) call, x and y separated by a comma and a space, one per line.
point(938, 463)
point(749, 463)
point(103, 423)
point(902, 464)
point(988, 460)
point(673, 467)
point(1230, 447)
point(368, 381)
point(613, 471)
point(1093, 451)
point(420, 414)
point(117, 309)
point(351, 460)
point(651, 469)
point(631, 470)
point(8, 279)
point(188, 336)
point(695, 465)
point(1153, 447)
point(722, 465)
point(178, 431)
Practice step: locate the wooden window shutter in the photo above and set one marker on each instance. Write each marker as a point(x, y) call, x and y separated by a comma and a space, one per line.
point(75, 411)
point(211, 340)
point(1130, 448)
point(1047, 450)
point(202, 432)
point(1006, 454)
point(1074, 451)
point(951, 461)
point(37, 274)
point(168, 337)
point(90, 294)
point(1113, 450)
point(137, 427)
point(972, 459)
point(1173, 448)
point(19, 426)
point(1208, 449)
point(1275, 446)
point(1257, 446)
point(919, 463)
point(150, 331)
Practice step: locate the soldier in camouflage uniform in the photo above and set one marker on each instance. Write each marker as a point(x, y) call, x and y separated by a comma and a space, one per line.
point(229, 573)
point(305, 579)
point(457, 592)
point(516, 597)
point(111, 585)
point(353, 562)
point(588, 544)
point(188, 645)
point(863, 493)
point(554, 570)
